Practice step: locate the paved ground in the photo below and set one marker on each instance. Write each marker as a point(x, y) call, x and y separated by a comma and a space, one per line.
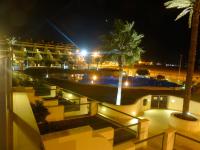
point(158, 118)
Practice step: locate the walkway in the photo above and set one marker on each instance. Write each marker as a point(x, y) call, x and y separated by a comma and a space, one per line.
point(158, 118)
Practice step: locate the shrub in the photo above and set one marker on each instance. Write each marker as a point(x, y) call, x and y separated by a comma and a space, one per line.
point(40, 112)
point(41, 89)
point(143, 72)
point(160, 77)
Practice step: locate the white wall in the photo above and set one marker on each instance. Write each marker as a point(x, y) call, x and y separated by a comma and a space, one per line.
point(132, 109)
point(176, 103)
point(25, 131)
point(53, 102)
point(83, 109)
point(56, 113)
point(78, 139)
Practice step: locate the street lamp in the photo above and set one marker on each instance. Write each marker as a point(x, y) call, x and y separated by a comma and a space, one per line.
point(84, 52)
point(96, 58)
point(95, 54)
point(126, 83)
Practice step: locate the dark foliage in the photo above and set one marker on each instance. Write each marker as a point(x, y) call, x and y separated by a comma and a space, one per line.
point(143, 72)
point(39, 111)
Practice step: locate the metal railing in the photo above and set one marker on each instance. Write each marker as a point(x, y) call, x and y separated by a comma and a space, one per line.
point(73, 110)
point(155, 142)
point(106, 110)
point(126, 124)
point(184, 142)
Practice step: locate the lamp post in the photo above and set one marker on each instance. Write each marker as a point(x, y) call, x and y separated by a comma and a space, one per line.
point(84, 54)
point(179, 68)
point(96, 57)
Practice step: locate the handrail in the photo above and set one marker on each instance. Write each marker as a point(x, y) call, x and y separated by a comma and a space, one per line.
point(125, 127)
point(119, 111)
point(187, 137)
point(78, 104)
point(121, 126)
point(66, 90)
point(149, 138)
point(73, 104)
point(72, 98)
point(4, 50)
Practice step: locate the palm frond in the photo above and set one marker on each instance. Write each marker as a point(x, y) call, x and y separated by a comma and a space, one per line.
point(184, 12)
point(123, 42)
point(186, 5)
point(190, 18)
point(179, 4)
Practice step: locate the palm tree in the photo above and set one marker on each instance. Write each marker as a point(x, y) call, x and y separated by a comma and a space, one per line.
point(122, 45)
point(11, 41)
point(40, 112)
point(48, 59)
point(193, 8)
point(63, 60)
point(38, 57)
point(88, 60)
point(98, 60)
point(25, 57)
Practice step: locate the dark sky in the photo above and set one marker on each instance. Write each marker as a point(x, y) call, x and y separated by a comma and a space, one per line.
point(85, 20)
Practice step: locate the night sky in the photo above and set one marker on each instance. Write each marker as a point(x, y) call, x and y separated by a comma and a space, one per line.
point(84, 21)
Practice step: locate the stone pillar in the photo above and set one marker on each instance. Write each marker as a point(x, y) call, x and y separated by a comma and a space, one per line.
point(93, 108)
point(143, 129)
point(6, 130)
point(168, 142)
point(84, 108)
point(53, 91)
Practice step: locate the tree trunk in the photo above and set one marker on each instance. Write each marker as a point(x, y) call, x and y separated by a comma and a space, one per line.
point(97, 66)
point(191, 57)
point(88, 66)
point(119, 90)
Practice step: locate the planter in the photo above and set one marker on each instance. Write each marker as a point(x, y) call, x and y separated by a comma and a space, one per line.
point(184, 125)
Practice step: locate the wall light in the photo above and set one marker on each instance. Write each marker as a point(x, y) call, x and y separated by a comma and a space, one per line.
point(133, 113)
point(173, 101)
point(103, 109)
point(70, 95)
point(94, 77)
point(188, 113)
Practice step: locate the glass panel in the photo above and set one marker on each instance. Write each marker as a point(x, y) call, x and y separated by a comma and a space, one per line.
point(76, 109)
point(155, 143)
point(182, 143)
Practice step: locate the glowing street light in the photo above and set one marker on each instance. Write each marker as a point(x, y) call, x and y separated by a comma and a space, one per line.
point(94, 77)
point(126, 83)
point(95, 54)
point(77, 51)
point(84, 52)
